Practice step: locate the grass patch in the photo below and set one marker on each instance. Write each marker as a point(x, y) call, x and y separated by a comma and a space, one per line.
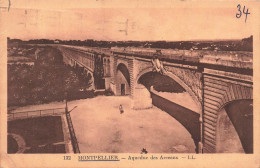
point(39, 134)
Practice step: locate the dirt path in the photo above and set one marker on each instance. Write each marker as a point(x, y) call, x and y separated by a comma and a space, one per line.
point(100, 128)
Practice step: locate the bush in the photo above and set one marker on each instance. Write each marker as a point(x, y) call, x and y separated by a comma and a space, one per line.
point(109, 92)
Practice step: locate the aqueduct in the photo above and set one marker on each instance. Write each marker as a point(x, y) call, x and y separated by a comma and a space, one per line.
point(219, 83)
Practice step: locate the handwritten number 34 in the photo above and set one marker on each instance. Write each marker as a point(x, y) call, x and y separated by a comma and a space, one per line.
point(238, 15)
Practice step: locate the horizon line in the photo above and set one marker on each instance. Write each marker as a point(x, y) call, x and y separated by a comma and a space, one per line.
point(191, 40)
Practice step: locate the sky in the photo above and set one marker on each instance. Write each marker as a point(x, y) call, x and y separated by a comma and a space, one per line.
point(140, 24)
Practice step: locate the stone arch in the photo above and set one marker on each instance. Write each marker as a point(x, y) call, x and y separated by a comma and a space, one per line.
point(123, 85)
point(237, 105)
point(20, 142)
point(235, 92)
point(191, 121)
point(175, 78)
point(124, 62)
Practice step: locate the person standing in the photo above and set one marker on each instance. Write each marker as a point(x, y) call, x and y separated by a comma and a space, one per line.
point(121, 109)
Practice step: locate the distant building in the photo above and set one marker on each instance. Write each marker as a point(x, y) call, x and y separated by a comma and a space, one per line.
point(56, 41)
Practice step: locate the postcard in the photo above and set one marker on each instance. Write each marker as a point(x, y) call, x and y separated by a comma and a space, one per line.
point(107, 83)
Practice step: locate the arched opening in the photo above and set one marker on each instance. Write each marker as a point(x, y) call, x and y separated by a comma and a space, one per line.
point(123, 80)
point(235, 127)
point(160, 83)
point(104, 66)
point(76, 66)
point(188, 91)
point(168, 95)
point(108, 67)
point(91, 81)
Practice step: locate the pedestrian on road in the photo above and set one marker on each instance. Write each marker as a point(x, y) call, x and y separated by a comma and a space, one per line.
point(121, 109)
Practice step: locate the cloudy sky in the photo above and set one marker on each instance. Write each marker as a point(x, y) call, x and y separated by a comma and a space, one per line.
point(171, 24)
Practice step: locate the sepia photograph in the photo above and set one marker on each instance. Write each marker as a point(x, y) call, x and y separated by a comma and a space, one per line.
point(126, 80)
